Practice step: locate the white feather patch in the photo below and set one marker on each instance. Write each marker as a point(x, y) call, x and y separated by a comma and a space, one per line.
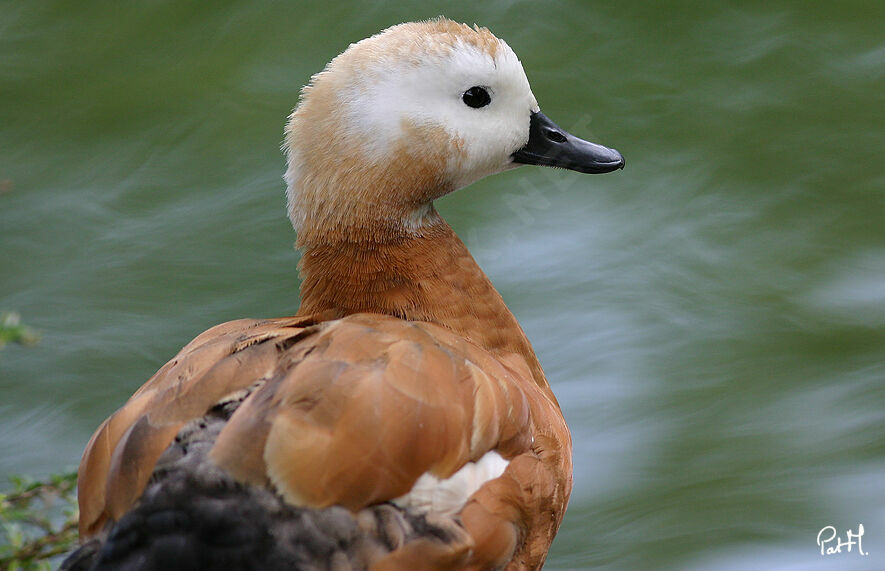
point(431, 494)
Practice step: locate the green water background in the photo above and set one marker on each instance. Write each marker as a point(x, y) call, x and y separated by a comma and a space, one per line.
point(712, 318)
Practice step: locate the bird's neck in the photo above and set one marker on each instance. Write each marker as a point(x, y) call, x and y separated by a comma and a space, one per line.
point(423, 275)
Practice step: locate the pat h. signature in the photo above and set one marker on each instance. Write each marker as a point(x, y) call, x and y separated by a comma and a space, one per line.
point(830, 543)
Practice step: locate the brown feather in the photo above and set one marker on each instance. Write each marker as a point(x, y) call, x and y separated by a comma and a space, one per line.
point(403, 360)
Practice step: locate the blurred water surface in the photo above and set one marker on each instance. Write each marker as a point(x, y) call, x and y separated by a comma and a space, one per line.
point(712, 318)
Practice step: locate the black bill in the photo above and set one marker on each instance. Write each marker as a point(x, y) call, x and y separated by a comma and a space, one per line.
point(554, 147)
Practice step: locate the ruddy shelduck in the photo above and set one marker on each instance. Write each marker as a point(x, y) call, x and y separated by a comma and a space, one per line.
point(400, 420)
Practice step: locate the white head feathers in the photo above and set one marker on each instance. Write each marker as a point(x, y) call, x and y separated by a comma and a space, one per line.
point(385, 126)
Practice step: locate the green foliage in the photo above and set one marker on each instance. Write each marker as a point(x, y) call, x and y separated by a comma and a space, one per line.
point(38, 521)
point(12, 330)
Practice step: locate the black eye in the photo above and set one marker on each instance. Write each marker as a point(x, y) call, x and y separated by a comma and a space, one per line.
point(476, 97)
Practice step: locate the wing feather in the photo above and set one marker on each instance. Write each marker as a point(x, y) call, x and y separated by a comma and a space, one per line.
point(113, 471)
point(348, 412)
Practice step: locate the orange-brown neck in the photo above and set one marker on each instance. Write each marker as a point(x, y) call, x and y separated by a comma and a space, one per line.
point(425, 275)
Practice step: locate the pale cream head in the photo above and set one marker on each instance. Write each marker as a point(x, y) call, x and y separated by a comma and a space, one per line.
point(384, 129)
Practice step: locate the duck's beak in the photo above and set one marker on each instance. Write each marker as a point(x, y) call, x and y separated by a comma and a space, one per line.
point(554, 147)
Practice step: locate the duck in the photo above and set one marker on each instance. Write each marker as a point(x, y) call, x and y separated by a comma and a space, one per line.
point(400, 419)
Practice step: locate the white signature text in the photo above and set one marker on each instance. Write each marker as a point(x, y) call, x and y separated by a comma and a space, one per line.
point(829, 541)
